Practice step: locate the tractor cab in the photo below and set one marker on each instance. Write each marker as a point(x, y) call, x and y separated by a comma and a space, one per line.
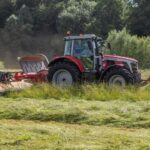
point(83, 47)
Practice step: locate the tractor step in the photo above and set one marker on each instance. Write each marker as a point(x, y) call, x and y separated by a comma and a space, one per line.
point(89, 76)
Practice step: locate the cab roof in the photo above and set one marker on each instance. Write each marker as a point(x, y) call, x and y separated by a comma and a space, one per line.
point(84, 36)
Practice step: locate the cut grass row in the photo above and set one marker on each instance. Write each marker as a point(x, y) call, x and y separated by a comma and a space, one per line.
point(98, 92)
point(29, 135)
point(110, 113)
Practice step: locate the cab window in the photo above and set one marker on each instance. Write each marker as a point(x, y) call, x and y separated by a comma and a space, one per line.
point(83, 48)
point(68, 47)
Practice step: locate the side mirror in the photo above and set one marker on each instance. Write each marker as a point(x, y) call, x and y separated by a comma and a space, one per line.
point(100, 42)
point(99, 45)
point(99, 39)
point(109, 46)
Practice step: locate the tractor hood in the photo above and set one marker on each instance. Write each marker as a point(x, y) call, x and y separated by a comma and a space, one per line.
point(118, 58)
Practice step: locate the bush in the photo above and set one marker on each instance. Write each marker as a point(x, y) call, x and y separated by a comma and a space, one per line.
point(132, 46)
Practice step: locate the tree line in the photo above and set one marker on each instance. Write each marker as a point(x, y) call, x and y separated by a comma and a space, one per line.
point(38, 26)
point(77, 16)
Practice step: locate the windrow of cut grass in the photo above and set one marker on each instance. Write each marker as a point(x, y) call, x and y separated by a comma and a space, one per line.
point(98, 92)
point(110, 113)
point(30, 135)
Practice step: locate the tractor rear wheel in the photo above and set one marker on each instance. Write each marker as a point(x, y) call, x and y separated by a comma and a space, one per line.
point(120, 77)
point(63, 73)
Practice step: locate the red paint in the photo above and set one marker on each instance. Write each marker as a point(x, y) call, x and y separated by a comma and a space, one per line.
point(119, 57)
point(105, 65)
point(148, 79)
point(32, 58)
point(119, 63)
point(72, 59)
point(41, 76)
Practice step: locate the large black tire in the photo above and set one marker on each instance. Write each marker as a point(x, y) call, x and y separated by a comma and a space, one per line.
point(64, 66)
point(119, 76)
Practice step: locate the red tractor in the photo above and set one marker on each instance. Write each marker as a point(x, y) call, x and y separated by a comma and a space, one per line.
point(83, 60)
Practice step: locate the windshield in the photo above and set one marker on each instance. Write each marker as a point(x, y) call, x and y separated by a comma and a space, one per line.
point(83, 48)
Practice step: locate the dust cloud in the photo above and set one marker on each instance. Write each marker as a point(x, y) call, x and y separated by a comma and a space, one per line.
point(11, 48)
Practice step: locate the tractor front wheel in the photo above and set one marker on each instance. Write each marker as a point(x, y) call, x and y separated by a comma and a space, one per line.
point(63, 74)
point(120, 77)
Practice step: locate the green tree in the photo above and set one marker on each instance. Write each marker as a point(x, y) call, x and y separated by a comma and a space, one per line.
point(46, 16)
point(108, 16)
point(25, 16)
point(139, 20)
point(126, 11)
point(6, 9)
point(12, 23)
point(76, 15)
point(29, 3)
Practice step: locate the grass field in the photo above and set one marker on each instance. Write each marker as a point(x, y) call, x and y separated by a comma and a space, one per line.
point(59, 124)
point(84, 117)
point(52, 135)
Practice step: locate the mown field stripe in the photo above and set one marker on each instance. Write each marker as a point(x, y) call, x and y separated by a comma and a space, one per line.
point(111, 113)
point(52, 135)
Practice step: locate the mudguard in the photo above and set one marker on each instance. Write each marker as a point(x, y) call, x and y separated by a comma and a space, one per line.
point(71, 59)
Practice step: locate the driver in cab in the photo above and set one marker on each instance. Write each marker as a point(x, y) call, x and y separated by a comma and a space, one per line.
point(83, 48)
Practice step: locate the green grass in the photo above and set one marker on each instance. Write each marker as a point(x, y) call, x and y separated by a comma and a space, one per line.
point(83, 117)
point(97, 91)
point(86, 91)
point(50, 124)
point(29, 135)
point(111, 113)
